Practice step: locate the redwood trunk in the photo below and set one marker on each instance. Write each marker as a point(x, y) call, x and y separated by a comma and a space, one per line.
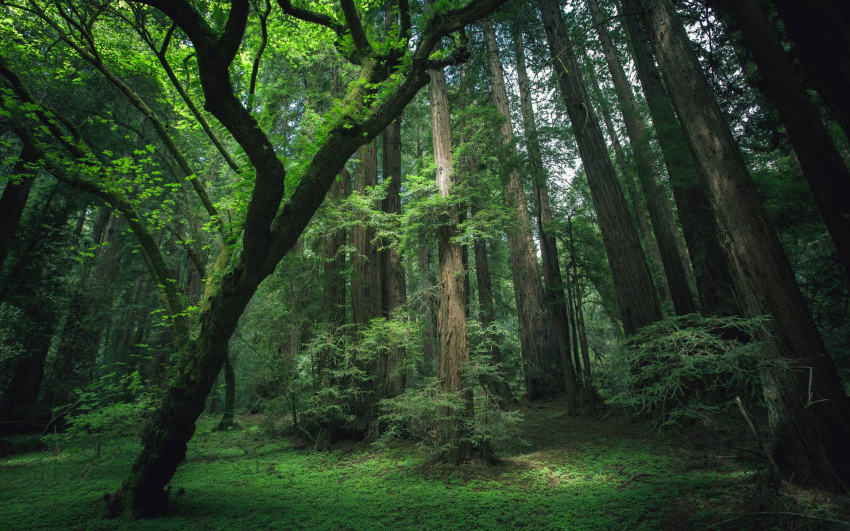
point(452, 335)
point(632, 281)
point(820, 31)
point(663, 222)
point(553, 288)
point(808, 410)
point(820, 160)
point(711, 269)
point(543, 374)
point(393, 288)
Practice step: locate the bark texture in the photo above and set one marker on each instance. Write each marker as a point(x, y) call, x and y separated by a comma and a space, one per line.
point(453, 339)
point(553, 287)
point(822, 165)
point(541, 360)
point(808, 409)
point(663, 221)
point(820, 31)
point(636, 299)
point(710, 265)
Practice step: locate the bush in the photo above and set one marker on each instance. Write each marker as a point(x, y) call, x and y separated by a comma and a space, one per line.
point(691, 367)
point(428, 415)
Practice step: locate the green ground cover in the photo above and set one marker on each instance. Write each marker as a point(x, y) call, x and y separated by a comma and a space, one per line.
point(568, 473)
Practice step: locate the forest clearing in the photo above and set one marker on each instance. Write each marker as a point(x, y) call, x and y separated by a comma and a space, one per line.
point(459, 264)
point(561, 473)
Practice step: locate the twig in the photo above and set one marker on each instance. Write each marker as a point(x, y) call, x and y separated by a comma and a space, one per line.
point(771, 513)
point(774, 468)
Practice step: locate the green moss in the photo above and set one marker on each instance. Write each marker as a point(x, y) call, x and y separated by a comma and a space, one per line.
point(576, 478)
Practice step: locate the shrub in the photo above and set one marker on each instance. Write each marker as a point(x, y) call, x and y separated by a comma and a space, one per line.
point(691, 367)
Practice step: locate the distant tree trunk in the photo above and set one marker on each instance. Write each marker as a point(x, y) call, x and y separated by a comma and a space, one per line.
point(542, 363)
point(820, 32)
point(820, 160)
point(366, 278)
point(394, 291)
point(636, 298)
point(229, 411)
point(333, 301)
point(663, 222)
point(649, 244)
point(809, 416)
point(426, 304)
point(14, 199)
point(553, 281)
point(451, 311)
point(711, 268)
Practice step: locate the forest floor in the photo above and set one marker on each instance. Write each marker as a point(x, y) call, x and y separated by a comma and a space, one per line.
point(567, 473)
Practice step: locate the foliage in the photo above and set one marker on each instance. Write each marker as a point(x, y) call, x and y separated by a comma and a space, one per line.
point(428, 415)
point(116, 404)
point(690, 367)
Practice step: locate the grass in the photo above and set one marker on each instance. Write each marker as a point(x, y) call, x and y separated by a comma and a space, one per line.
point(569, 474)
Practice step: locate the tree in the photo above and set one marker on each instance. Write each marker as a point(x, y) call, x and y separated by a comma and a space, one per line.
point(275, 216)
point(452, 334)
point(636, 298)
point(542, 362)
point(822, 165)
point(552, 278)
point(711, 271)
point(808, 409)
point(663, 222)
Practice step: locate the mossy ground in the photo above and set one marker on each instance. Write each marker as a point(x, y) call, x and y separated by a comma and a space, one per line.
point(570, 473)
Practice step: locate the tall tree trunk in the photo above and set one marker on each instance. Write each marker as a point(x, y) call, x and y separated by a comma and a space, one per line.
point(820, 160)
point(820, 31)
point(553, 288)
point(452, 334)
point(543, 374)
point(663, 222)
point(711, 268)
point(366, 278)
point(333, 293)
point(809, 416)
point(14, 198)
point(394, 292)
point(636, 298)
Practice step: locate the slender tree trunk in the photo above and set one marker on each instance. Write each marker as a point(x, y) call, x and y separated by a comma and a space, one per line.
point(392, 270)
point(452, 334)
point(14, 198)
point(663, 222)
point(820, 31)
point(711, 269)
point(553, 288)
point(229, 411)
point(366, 278)
point(820, 160)
point(542, 361)
point(636, 298)
point(809, 416)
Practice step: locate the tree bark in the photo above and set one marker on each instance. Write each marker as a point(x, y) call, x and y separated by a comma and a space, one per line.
point(453, 339)
point(541, 360)
point(822, 165)
point(807, 406)
point(393, 287)
point(636, 298)
point(820, 31)
point(710, 265)
point(553, 281)
point(14, 198)
point(366, 278)
point(663, 222)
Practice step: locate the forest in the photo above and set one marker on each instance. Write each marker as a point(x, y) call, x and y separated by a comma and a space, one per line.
point(424, 264)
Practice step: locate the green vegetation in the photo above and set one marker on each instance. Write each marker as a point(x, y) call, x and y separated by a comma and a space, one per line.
point(567, 474)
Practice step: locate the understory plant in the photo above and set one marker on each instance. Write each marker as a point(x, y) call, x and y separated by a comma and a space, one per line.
point(689, 368)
